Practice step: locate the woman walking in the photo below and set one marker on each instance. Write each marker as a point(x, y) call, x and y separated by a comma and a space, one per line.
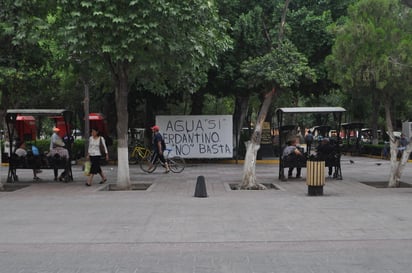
point(97, 146)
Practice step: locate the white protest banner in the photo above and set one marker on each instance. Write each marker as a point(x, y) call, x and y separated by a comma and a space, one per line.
point(198, 136)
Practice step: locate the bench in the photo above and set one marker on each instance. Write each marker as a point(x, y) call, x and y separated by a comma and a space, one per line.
point(40, 162)
point(331, 160)
point(291, 161)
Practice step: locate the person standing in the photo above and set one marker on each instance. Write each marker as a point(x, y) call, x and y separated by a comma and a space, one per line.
point(309, 141)
point(403, 142)
point(158, 148)
point(94, 154)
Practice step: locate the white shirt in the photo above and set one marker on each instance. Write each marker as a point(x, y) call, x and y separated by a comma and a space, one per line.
point(94, 146)
point(55, 139)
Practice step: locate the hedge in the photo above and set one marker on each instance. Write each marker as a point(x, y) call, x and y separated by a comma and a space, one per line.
point(77, 149)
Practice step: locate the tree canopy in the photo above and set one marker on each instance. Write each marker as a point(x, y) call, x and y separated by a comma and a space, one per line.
point(26, 61)
point(156, 43)
point(165, 44)
point(372, 56)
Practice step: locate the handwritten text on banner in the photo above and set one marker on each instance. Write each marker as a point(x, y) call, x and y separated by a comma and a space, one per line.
point(198, 136)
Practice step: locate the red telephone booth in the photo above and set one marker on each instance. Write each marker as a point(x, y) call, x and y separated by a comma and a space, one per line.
point(26, 128)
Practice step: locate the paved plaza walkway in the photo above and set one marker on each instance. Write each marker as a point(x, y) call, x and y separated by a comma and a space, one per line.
point(55, 227)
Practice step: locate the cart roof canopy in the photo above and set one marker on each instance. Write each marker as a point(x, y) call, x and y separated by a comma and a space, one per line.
point(37, 112)
point(311, 110)
point(353, 125)
point(13, 114)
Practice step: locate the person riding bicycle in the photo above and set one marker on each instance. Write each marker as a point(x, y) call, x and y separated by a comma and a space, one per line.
point(158, 148)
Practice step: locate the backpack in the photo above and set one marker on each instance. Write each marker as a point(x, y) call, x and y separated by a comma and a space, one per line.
point(35, 150)
point(309, 138)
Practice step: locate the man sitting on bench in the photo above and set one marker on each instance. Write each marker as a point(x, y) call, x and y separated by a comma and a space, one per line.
point(57, 150)
point(291, 153)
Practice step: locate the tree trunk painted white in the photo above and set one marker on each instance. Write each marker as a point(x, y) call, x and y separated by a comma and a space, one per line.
point(122, 90)
point(393, 179)
point(123, 172)
point(397, 166)
point(404, 159)
point(249, 181)
point(249, 170)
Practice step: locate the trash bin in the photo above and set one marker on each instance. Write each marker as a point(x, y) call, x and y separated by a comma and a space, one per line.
point(315, 177)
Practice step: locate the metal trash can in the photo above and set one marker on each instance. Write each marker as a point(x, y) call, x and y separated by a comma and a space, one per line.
point(315, 177)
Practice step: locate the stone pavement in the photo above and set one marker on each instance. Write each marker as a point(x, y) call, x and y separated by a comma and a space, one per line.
point(68, 227)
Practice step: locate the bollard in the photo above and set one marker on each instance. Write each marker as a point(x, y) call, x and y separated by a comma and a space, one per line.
point(200, 190)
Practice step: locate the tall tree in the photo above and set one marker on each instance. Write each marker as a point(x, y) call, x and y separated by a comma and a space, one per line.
point(372, 52)
point(281, 67)
point(159, 43)
point(26, 60)
point(249, 21)
point(254, 31)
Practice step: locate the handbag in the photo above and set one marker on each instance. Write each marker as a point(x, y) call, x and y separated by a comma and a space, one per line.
point(102, 149)
point(87, 166)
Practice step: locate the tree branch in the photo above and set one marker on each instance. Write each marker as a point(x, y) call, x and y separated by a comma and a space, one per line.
point(283, 21)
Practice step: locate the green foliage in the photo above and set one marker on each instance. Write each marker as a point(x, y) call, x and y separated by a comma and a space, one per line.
point(218, 106)
point(337, 9)
point(248, 20)
point(370, 61)
point(282, 67)
point(370, 47)
point(255, 31)
point(307, 23)
point(372, 149)
point(310, 33)
point(77, 148)
point(164, 43)
point(42, 144)
point(25, 57)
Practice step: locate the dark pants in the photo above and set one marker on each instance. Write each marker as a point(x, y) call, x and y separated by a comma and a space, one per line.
point(297, 159)
point(308, 146)
point(330, 171)
point(298, 170)
point(156, 156)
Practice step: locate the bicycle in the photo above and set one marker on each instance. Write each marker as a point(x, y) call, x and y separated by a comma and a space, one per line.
point(176, 163)
point(139, 153)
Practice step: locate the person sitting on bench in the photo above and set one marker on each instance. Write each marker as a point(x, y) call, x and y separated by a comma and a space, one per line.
point(292, 153)
point(325, 152)
point(21, 152)
point(57, 150)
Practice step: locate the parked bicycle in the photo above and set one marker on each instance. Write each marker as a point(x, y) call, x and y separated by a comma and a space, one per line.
point(176, 163)
point(139, 153)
